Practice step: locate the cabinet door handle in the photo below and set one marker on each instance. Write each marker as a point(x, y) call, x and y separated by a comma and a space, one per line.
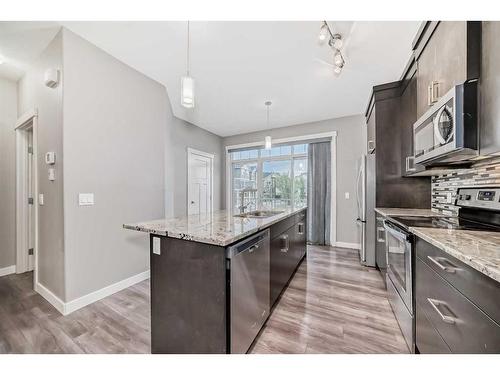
point(409, 160)
point(285, 248)
point(441, 266)
point(371, 146)
point(301, 228)
point(435, 91)
point(381, 234)
point(445, 318)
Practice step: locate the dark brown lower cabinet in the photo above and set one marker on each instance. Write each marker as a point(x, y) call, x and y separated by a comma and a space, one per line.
point(447, 320)
point(190, 288)
point(287, 250)
point(428, 339)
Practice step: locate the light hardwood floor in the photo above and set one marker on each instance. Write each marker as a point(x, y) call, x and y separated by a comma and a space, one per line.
point(332, 305)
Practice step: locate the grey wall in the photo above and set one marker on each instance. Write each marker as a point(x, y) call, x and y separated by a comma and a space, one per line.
point(33, 93)
point(120, 141)
point(351, 141)
point(114, 146)
point(182, 135)
point(8, 117)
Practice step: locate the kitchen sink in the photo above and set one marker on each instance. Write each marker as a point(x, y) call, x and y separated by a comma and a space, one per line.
point(259, 213)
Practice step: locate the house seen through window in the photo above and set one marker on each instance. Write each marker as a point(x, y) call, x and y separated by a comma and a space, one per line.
point(272, 179)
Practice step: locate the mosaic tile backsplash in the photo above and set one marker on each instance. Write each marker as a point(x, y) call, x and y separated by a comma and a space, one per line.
point(444, 187)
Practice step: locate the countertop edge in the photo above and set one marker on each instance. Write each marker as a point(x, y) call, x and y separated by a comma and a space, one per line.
point(406, 212)
point(188, 237)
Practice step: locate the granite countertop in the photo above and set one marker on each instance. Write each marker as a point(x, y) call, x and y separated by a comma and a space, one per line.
point(478, 249)
point(406, 212)
point(219, 228)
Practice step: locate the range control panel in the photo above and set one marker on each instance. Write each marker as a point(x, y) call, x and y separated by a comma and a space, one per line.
point(479, 197)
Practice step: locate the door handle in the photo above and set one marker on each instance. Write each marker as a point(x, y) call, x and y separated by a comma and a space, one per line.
point(445, 318)
point(253, 248)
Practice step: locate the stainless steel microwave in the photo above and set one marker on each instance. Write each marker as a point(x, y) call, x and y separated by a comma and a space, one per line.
point(448, 132)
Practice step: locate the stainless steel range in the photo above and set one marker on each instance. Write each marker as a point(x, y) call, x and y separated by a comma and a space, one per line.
point(479, 210)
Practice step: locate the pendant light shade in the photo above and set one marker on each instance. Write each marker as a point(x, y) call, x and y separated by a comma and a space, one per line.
point(187, 82)
point(187, 91)
point(268, 142)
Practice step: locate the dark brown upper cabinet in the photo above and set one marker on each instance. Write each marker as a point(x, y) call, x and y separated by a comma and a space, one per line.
point(389, 117)
point(448, 53)
point(489, 88)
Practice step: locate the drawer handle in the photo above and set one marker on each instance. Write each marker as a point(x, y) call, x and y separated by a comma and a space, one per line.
point(446, 318)
point(442, 266)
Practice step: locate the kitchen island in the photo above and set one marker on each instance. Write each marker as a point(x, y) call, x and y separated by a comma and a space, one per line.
point(215, 277)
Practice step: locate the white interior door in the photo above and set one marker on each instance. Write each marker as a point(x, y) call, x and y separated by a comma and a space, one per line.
point(200, 178)
point(26, 191)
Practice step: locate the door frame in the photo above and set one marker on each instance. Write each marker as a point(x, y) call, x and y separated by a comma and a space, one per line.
point(26, 121)
point(190, 153)
point(331, 136)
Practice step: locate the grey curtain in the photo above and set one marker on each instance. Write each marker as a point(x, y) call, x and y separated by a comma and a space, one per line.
point(318, 193)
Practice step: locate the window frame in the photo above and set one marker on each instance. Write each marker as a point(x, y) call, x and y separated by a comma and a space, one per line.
point(307, 138)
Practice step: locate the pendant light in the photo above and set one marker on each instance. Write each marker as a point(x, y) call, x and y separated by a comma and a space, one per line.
point(187, 82)
point(267, 140)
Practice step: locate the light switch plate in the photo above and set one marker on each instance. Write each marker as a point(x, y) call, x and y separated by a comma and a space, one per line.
point(52, 174)
point(157, 245)
point(347, 195)
point(86, 199)
point(50, 158)
point(40, 199)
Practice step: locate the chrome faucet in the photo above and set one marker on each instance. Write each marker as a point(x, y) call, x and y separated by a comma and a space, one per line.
point(242, 207)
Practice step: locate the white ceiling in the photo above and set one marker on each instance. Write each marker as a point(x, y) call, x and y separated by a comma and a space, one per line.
point(239, 65)
point(21, 43)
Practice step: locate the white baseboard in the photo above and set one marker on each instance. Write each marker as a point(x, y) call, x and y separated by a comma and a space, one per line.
point(104, 292)
point(66, 308)
point(7, 270)
point(348, 245)
point(50, 297)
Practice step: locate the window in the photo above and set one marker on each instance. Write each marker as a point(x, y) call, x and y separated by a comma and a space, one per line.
point(272, 179)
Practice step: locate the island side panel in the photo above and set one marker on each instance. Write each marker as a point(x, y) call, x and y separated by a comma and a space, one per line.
point(188, 297)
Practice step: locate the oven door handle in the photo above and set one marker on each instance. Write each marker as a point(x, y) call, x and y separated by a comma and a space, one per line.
point(390, 228)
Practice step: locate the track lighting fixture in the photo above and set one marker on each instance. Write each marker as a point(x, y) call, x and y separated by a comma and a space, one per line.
point(336, 43)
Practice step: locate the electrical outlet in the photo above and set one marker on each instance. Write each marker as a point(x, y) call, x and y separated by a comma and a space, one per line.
point(157, 245)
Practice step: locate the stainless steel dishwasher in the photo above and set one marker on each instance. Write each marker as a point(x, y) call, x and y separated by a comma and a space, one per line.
point(249, 293)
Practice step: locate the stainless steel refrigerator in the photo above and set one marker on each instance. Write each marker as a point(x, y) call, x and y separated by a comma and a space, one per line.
point(365, 199)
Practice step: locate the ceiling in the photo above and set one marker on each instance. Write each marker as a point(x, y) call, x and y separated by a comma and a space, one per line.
point(21, 43)
point(237, 66)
